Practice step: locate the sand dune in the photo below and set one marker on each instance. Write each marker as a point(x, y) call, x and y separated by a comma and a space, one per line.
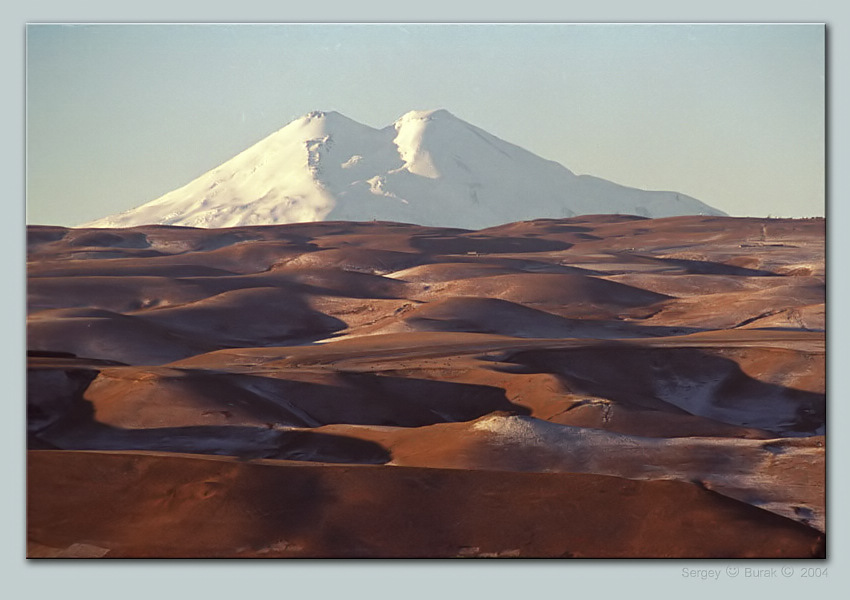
point(782, 475)
point(265, 509)
point(360, 260)
point(602, 386)
point(104, 334)
point(565, 290)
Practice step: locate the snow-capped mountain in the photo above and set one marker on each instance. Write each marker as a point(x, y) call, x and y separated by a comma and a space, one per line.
point(428, 168)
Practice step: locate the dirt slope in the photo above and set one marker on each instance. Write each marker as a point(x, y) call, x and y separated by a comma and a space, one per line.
point(602, 386)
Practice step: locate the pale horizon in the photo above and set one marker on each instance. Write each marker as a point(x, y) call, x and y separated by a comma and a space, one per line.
point(732, 115)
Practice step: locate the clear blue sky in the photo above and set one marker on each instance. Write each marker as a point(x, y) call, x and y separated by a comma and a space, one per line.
point(733, 115)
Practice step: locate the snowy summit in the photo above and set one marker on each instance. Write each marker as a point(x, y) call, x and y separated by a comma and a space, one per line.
point(428, 168)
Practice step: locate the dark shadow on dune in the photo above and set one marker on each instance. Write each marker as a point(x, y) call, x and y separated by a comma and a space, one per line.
point(360, 260)
point(108, 238)
point(308, 281)
point(426, 401)
point(54, 393)
point(347, 398)
point(688, 380)
point(258, 316)
point(100, 254)
point(509, 265)
point(113, 336)
point(703, 267)
point(568, 329)
point(198, 239)
point(103, 263)
point(61, 416)
point(49, 354)
point(483, 244)
point(472, 314)
point(176, 252)
point(244, 442)
point(246, 317)
point(38, 235)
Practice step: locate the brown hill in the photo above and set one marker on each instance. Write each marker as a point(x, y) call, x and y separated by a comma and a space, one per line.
point(387, 390)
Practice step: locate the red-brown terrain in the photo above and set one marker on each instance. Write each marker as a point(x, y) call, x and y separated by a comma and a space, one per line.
point(601, 386)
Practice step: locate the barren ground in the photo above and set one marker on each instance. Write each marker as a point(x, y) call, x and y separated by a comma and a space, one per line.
point(601, 386)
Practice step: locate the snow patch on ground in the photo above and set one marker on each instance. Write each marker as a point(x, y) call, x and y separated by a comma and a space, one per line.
point(744, 473)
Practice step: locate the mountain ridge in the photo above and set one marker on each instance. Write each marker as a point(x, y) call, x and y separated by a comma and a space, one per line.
point(429, 167)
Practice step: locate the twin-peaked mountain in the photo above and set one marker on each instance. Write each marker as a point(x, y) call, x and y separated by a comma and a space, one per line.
point(428, 168)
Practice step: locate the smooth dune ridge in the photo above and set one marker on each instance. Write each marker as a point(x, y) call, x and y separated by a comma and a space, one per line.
point(597, 387)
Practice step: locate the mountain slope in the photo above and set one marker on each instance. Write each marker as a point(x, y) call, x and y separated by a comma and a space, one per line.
point(429, 168)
